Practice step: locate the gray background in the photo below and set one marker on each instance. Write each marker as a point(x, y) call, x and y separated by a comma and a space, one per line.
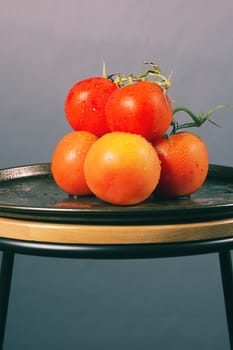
point(48, 45)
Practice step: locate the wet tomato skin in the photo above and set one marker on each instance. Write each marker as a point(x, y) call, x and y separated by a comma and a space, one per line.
point(141, 108)
point(67, 163)
point(85, 104)
point(184, 164)
point(122, 168)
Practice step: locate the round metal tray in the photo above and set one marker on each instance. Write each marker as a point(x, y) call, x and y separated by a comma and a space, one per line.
point(29, 193)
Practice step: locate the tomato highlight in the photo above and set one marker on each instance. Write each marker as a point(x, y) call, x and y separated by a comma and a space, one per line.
point(122, 168)
point(184, 164)
point(140, 108)
point(85, 105)
point(67, 165)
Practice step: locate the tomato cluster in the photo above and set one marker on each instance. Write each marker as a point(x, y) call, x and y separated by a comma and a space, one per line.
point(117, 149)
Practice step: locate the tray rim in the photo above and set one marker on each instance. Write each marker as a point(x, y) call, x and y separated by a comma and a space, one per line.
point(42, 213)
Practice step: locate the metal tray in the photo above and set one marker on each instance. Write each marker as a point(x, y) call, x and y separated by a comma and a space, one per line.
point(29, 193)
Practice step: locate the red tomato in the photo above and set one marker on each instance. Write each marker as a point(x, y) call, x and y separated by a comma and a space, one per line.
point(140, 108)
point(68, 162)
point(85, 104)
point(122, 168)
point(184, 163)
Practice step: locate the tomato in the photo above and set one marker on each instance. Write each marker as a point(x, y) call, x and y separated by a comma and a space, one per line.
point(85, 104)
point(122, 168)
point(68, 162)
point(142, 108)
point(184, 164)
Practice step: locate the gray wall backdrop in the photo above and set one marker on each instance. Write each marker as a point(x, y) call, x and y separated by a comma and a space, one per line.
point(48, 45)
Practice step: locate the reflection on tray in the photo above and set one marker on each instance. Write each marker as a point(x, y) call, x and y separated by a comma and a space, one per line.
point(32, 194)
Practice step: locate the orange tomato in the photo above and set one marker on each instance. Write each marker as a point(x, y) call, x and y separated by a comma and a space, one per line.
point(184, 164)
point(68, 162)
point(122, 168)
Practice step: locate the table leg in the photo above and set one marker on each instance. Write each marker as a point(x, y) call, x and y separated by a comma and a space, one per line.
point(5, 284)
point(227, 282)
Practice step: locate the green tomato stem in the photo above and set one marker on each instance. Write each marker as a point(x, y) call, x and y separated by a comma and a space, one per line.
point(152, 74)
point(197, 120)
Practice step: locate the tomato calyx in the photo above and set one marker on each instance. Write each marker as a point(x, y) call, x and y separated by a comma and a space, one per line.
point(197, 120)
point(152, 73)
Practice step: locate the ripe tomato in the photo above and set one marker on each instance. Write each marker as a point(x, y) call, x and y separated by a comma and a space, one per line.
point(122, 168)
point(140, 108)
point(184, 164)
point(85, 104)
point(68, 161)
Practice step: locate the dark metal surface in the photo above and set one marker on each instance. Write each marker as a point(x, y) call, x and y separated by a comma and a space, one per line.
point(29, 192)
point(227, 283)
point(116, 251)
point(5, 285)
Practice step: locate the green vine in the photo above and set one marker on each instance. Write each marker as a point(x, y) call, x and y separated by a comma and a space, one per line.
point(152, 73)
point(197, 120)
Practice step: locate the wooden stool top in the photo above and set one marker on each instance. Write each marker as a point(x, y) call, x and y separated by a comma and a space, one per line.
point(113, 234)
